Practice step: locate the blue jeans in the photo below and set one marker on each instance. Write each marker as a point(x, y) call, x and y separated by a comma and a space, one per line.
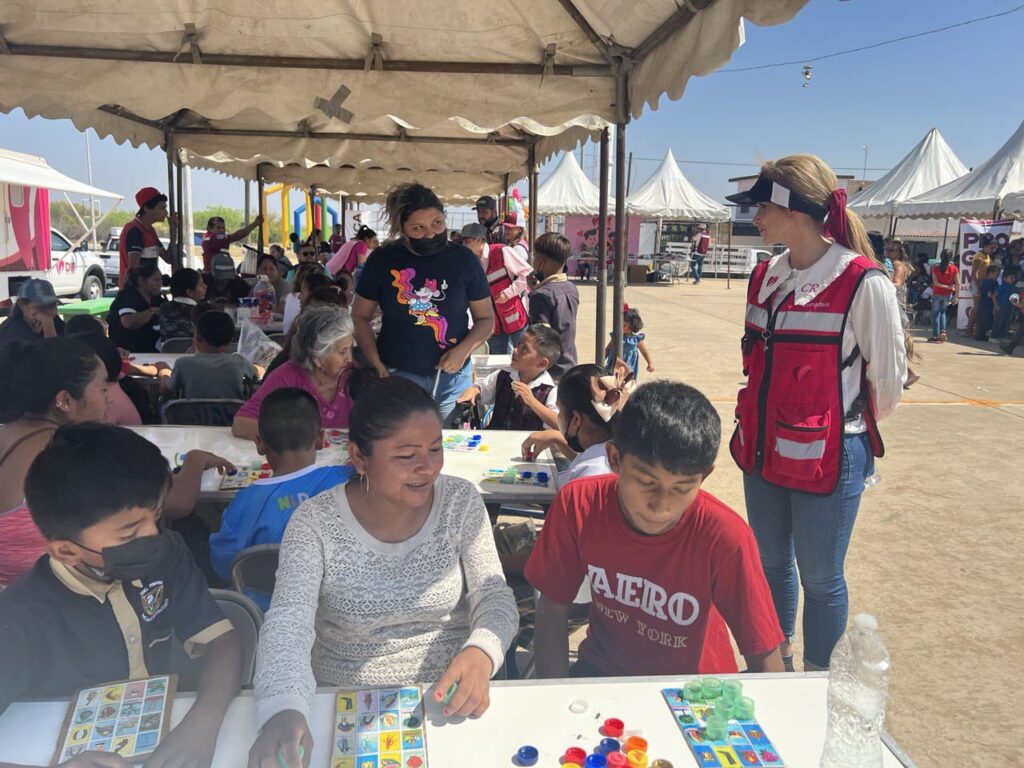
point(812, 533)
point(697, 267)
point(449, 386)
point(504, 343)
point(939, 306)
point(1001, 325)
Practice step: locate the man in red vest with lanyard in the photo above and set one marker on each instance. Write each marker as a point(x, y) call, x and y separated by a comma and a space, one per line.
point(138, 241)
point(824, 358)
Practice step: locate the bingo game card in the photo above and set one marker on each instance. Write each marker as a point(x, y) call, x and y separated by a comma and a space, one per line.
point(128, 718)
point(379, 729)
point(465, 443)
point(745, 742)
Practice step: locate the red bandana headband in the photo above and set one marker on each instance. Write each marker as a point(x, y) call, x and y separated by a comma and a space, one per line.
point(835, 222)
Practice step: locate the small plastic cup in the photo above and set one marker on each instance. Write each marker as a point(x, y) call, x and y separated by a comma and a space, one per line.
point(716, 726)
point(635, 744)
point(732, 690)
point(527, 756)
point(613, 727)
point(711, 687)
point(725, 708)
point(693, 691)
point(575, 755)
point(636, 759)
point(743, 709)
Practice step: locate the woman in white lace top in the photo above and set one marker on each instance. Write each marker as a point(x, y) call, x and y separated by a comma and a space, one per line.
point(390, 580)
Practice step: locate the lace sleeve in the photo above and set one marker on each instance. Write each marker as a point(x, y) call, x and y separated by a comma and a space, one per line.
point(284, 673)
point(493, 618)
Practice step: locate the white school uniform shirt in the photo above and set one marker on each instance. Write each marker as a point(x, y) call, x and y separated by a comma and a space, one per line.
point(593, 461)
point(489, 388)
point(873, 324)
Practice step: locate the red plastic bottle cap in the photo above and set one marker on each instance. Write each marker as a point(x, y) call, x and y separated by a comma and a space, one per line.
point(635, 743)
point(575, 755)
point(616, 760)
point(613, 727)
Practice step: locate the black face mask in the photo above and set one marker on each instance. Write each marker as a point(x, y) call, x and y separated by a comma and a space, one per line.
point(574, 441)
point(137, 559)
point(429, 246)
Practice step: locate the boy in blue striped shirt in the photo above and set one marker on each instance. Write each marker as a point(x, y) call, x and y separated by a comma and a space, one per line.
point(289, 436)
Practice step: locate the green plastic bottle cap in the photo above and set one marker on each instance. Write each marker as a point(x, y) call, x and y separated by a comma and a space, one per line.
point(732, 689)
point(693, 692)
point(743, 708)
point(715, 726)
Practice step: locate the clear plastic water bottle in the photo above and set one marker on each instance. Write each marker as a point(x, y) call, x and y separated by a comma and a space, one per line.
point(858, 683)
point(872, 480)
point(264, 297)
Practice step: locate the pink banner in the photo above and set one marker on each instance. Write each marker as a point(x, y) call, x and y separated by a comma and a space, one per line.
point(28, 214)
point(582, 232)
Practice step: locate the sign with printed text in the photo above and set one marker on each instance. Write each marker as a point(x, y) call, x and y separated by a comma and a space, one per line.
point(971, 231)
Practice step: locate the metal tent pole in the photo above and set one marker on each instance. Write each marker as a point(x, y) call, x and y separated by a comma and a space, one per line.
point(531, 180)
point(262, 234)
point(181, 254)
point(619, 289)
point(602, 253)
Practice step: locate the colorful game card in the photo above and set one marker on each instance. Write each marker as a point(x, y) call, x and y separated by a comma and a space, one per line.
point(745, 743)
point(379, 729)
point(128, 718)
point(459, 442)
point(515, 476)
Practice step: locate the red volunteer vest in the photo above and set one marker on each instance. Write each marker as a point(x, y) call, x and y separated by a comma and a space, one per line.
point(790, 421)
point(509, 316)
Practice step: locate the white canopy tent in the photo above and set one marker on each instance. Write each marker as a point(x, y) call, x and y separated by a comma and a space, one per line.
point(568, 191)
point(382, 81)
point(930, 164)
point(981, 193)
point(31, 171)
point(667, 194)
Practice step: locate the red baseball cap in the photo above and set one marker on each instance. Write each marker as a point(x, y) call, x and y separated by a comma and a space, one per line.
point(514, 219)
point(147, 194)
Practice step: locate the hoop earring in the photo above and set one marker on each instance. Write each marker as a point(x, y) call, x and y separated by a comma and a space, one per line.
point(364, 480)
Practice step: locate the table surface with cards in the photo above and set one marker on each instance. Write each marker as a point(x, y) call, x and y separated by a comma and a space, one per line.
point(481, 457)
point(552, 716)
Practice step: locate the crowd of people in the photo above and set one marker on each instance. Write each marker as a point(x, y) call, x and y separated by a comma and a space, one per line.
point(378, 341)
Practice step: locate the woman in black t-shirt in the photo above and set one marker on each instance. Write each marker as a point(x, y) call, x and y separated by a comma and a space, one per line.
point(427, 287)
point(134, 316)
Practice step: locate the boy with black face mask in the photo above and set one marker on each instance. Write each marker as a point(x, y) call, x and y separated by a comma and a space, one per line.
point(103, 603)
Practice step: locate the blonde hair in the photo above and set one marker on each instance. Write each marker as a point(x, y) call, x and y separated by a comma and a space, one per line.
point(812, 179)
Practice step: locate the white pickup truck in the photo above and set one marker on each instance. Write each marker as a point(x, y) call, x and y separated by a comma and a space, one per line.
point(111, 255)
point(74, 272)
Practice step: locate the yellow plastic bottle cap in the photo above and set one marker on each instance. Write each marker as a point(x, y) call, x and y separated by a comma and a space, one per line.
point(636, 759)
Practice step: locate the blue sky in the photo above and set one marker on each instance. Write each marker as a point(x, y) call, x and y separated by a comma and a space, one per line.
point(962, 81)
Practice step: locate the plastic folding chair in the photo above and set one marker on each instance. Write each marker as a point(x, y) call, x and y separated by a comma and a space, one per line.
point(202, 413)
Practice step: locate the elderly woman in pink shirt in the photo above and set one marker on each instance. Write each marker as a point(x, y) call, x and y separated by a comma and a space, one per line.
point(321, 353)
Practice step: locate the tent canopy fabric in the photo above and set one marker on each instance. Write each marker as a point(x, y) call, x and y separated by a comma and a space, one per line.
point(667, 194)
point(31, 171)
point(268, 83)
point(568, 191)
point(930, 164)
point(979, 193)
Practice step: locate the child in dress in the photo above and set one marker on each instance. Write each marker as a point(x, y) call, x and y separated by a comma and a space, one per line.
point(633, 344)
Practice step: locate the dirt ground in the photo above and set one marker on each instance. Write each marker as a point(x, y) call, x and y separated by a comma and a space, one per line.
point(936, 549)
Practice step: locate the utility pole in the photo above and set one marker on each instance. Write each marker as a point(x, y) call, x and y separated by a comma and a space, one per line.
point(92, 200)
point(864, 175)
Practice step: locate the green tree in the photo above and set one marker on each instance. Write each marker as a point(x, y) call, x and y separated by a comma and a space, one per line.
point(62, 218)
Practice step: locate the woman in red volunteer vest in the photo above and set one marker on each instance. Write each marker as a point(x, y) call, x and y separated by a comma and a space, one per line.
point(824, 358)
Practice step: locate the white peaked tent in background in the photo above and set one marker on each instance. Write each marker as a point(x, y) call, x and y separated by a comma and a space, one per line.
point(568, 191)
point(982, 193)
point(667, 194)
point(928, 165)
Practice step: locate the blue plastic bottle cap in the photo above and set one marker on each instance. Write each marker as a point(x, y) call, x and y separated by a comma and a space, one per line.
point(608, 745)
point(596, 761)
point(527, 755)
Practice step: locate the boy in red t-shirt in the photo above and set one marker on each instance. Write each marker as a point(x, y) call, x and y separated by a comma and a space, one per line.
point(669, 565)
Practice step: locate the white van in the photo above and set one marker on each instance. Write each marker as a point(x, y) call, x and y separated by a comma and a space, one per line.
point(29, 246)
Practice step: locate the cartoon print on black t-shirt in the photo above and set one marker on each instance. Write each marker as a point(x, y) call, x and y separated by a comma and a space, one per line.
point(421, 303)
